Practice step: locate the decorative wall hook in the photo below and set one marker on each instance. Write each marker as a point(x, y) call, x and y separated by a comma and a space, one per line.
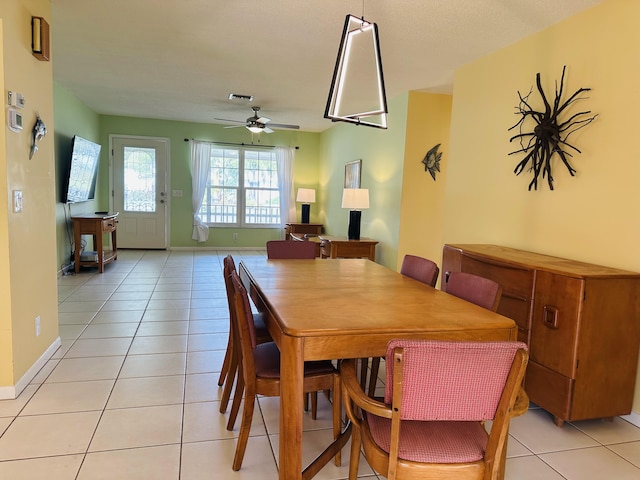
point(39, 131)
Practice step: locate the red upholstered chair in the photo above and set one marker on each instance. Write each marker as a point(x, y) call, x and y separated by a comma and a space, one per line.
point(260, 366)
point(475, 289)
point(421, 269)
point(438, 396)
point(290, 249)
point(230, 363)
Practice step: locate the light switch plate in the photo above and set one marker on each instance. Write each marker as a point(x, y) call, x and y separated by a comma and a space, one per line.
point(17, 201)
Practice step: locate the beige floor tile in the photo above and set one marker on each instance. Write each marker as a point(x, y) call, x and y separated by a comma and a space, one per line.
point(99, 347)
point(154, 365)
point(209, 326)
point(221, 312)
point(207, 341)
point(210, 302)
point(205, 362)
point(48, 435)
point(82, 369)
point(152, 329)
point(606, 432)
point(516, 449)
point(132, 287)
point(12, 407)
point(203, 421)
point(536, 431)
point(4, 423)
point(45, 371)
point(529, 468)
point(118, 316)
point(157, 463)
point(69, 397)
point(164, 304)
point(173, 287)
point(147, 391)
point(202, 387)
point(628, 450)
point(76, 307)
point(595, 463)
point(171, 295)
point(212, 460)
point(159, 344)
point(130, 295)
point(110, 330)
point(52, 468)
point(70, 332)
point(270, 408)
point(119, 305)
point(75, 318)
point(138, 427)
point(169, 314)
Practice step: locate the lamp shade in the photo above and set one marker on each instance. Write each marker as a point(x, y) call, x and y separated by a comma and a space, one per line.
point(306, 195)
point(355, 198)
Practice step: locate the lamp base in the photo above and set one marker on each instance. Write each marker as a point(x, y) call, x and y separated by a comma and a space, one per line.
point(306, 208)
point(354, 224)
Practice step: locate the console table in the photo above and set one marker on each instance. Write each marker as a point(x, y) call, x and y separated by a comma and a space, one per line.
point(342, 247)
point(311, 228)
point(581, 322)
point(96, 225)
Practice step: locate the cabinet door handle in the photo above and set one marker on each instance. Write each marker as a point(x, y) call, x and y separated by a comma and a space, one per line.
point(550, 318)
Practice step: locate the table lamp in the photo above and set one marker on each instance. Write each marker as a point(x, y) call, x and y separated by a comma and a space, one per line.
point(355, 199)
point(306, 196)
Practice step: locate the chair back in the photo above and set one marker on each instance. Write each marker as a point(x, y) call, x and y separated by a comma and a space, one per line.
point(228, 266)
point(244, 317)
point(421, 269)
point(475, 289)
point(290, 249)
point(454, 381)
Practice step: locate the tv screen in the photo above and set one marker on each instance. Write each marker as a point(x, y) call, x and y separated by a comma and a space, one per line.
point(83, 170)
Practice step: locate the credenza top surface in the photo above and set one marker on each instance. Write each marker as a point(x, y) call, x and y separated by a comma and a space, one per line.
point(537, 261)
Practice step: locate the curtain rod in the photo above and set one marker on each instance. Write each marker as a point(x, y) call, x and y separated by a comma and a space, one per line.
point(236, 144)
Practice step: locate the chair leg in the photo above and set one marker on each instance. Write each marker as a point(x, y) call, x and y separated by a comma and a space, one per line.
point(237, 398)
point(354, 458)
point(337, 413)
point(224, 372)
point(314, 405)
point(228, 384)
point(245, 428)
point(373, 378)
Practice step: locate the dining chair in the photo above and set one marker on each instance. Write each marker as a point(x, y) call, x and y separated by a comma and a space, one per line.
point(279, 249)
point(230, 363)
point(420, 269)
point(475, 289)
point(260, 367)
point(438, 396)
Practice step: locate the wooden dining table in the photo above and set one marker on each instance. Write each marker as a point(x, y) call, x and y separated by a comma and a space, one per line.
point(349, 308)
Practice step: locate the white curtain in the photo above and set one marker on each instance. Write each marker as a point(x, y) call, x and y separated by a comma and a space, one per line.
point(284, 158)
point(200, 165)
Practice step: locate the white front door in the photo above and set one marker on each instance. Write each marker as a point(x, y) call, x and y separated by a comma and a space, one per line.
point(139, 190)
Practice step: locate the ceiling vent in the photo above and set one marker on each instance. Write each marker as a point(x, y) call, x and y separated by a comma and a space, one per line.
point(236, 96)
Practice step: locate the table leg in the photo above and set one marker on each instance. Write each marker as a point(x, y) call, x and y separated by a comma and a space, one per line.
point(291, 401)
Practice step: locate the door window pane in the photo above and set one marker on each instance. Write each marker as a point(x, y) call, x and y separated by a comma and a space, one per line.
point(139, 179)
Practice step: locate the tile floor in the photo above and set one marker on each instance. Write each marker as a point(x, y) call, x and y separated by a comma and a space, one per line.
point(132, 393)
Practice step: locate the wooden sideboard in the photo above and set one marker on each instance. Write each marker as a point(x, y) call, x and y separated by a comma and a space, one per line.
point(581, 322)
point(97, 226)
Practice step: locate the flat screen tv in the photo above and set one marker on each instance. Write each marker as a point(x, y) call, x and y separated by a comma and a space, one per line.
point(83, 171)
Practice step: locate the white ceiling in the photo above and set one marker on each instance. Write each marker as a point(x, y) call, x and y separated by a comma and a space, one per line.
point(180, 59)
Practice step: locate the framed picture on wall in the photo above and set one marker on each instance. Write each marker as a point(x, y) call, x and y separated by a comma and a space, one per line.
point(352, 171)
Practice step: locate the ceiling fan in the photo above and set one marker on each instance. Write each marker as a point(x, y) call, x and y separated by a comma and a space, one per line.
point(256, 124)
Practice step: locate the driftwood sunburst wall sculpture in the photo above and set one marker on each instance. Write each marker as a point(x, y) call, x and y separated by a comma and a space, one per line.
point(549, 134)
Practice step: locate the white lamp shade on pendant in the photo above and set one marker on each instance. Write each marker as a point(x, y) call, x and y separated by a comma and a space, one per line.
point(355, 198)
point(306, 195)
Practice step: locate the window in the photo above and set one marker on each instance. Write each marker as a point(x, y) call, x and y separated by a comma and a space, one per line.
point(242, 189)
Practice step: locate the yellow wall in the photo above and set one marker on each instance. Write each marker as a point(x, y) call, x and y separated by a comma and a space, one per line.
point(382, 155)
point(422, 207)
point(27, 239)
point(594, 216)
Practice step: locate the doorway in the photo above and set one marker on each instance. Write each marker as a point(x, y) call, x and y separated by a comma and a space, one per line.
point(139, 183)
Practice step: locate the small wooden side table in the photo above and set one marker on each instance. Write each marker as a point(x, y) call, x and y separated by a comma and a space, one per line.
point(95, 225)
point(312, 228)
point(342, 247)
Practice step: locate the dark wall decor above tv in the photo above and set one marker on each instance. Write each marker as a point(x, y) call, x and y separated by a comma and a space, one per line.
point(83, 171)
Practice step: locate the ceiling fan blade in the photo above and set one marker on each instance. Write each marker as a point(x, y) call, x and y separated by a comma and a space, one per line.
point(230, 121)
point(233, 126)
point(284, 125)
point(263, 120)
point(267, 130)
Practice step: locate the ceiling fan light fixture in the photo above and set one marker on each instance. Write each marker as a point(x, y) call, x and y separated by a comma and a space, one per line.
point(254, 128)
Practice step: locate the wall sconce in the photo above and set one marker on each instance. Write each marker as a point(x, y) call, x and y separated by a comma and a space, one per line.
point(357, 93)
point(356, 199)
point(306, 196)
point(40, 38)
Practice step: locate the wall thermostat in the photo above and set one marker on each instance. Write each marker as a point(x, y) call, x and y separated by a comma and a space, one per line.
point(15, 120)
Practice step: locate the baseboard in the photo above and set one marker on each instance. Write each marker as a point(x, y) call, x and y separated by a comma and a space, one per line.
point(633, 417)
point(9, 393)
point(224, 249)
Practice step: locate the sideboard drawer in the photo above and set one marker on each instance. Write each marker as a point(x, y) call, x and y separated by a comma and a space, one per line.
point(109, 225)
point(549, 388)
